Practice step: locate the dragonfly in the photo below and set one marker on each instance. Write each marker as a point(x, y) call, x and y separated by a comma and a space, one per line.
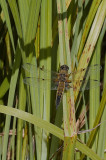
point(60, 81)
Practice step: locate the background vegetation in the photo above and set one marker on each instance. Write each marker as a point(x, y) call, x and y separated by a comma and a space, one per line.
point(52, 33)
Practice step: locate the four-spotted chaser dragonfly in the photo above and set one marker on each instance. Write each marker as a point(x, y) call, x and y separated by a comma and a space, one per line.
point(59, 81)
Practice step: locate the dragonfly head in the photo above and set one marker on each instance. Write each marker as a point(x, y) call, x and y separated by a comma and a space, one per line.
point(64, 67)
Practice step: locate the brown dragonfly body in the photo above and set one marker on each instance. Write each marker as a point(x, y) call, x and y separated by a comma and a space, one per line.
point(60, 81)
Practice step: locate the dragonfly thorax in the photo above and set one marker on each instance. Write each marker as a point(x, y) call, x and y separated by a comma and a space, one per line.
point(63, 77)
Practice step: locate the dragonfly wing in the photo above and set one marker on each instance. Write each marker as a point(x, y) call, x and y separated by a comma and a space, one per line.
point(41, 83)
point(90, 84)
point(85, 85)
point(42, 72)
point(92, 69)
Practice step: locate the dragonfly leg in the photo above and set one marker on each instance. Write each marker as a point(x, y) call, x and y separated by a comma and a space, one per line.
point(69, 81)
point(67, 86)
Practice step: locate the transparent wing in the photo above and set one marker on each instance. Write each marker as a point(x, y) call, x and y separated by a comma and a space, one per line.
point(53, 85)
point(42, 72)
point(41, 83)
point(92, 69)
point(85, 85)
point(47, 79)
point(43, 79)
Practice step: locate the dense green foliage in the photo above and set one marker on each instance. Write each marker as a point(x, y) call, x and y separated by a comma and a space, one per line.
point(49, 34)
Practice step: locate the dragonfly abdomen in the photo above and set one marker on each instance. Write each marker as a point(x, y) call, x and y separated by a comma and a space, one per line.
point(60, 91)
